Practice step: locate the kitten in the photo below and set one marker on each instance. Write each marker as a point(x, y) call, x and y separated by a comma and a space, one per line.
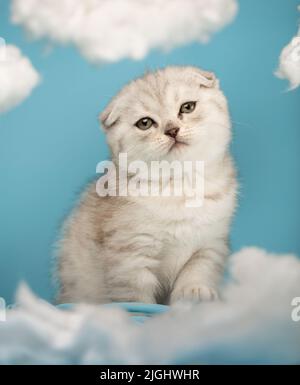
point(156, 249)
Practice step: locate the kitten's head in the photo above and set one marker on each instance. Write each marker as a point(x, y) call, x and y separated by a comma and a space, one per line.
point(174, 113)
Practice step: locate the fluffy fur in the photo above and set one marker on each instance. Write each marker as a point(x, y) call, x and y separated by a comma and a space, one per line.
point(155, 249)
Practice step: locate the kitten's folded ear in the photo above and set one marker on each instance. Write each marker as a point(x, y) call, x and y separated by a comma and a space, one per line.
point(208, 79)
point(109, 117)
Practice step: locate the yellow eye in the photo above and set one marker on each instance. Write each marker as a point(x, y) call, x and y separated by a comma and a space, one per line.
point(144, 123)
point(187, 107)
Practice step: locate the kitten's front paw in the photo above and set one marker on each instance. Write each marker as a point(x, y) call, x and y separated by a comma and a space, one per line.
point(193, 293)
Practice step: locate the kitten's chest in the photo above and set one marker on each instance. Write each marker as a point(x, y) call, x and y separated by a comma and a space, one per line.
point(181, 232)
point(178, 226)
point(176, 232)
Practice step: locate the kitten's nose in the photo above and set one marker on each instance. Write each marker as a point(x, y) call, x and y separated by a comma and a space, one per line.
point(172, 132)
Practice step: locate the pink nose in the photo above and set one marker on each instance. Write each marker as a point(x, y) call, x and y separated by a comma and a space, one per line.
point(172, 132)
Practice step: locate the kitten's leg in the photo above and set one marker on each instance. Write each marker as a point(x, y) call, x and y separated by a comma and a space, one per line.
point(80, 274)
point(130, 282)
point(199, 278)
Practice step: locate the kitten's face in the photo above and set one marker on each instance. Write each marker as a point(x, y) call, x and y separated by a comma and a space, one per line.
point(175, 113)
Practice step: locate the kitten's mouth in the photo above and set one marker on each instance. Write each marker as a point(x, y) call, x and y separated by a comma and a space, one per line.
point(177, 144)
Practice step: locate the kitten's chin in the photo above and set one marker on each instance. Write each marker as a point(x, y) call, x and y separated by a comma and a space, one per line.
point(178, 146)
point(177, 149)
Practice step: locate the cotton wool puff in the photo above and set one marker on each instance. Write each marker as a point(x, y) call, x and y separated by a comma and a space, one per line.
point(289, 67)
point(18, 77)
point(289, 62)
point(107, 31)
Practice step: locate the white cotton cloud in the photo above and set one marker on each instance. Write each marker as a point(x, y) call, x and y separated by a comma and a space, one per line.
point(289, 62)
point(252, 324)
point(289, 67)
point(17, 77)
point(105, 30)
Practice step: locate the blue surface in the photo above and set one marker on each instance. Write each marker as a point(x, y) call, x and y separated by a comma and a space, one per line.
point(139, 312)
point(50, 145)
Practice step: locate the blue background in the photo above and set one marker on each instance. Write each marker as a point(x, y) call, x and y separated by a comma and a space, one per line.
point(50, 144)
